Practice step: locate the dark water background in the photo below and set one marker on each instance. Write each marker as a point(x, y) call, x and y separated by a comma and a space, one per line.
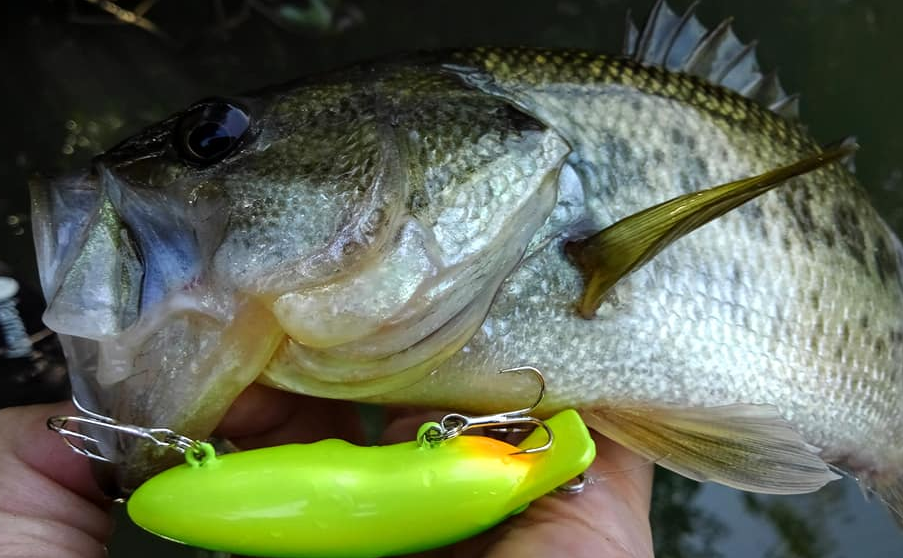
point(77, 82)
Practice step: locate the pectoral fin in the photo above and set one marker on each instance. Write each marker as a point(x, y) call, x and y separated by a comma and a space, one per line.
point(614, 252)
point(750, 447)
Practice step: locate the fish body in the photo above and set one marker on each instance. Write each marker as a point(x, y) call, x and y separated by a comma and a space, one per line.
point(786, 291)
point(397, 233)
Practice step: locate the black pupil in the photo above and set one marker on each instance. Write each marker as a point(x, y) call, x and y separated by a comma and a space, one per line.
point(209, 139)
point(211, 131)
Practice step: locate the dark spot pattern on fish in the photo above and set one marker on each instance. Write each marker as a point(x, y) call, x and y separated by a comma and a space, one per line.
point(702, 167)
point(590, 175)
point(815, 300)
point(886, 265)
point(747, 321)
point(685, 184)
point(752, 211)
point(798, 201)
point(658, 156)
point(896, 337)
point(813, 341)
point(864, 321)
point(850, 228)
point(678, 137)
point(788, 242)
point(879, 347)
point(622, 150)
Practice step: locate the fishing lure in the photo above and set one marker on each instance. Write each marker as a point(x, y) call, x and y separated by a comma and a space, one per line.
point(334, 499)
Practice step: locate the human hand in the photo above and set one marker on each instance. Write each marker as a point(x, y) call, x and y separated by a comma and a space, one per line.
point(49, 505)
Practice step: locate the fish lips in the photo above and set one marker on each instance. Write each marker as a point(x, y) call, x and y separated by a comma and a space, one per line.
point(90, 267)
point(61, 211)
point(125, 362)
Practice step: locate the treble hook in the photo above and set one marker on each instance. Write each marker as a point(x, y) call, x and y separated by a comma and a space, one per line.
point(160, 437)
point(454, 424)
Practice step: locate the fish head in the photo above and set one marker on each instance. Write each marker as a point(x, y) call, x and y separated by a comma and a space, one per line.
point(338, 239)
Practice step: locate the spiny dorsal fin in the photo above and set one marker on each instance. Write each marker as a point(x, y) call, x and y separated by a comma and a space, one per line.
point(617, 250)
point(683, 44)
point(849, 142)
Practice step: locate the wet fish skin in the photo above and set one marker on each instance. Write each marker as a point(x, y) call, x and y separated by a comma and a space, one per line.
point(290, 262)
point(645, 148)
point(793, 300)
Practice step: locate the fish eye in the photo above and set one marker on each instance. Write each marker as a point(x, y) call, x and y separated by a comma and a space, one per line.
point(210, 131)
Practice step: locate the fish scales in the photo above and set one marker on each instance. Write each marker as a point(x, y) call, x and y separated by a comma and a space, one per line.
point(398, 231)
point(752, 308)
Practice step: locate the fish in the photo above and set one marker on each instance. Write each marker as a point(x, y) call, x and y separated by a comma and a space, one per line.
point(656, 231)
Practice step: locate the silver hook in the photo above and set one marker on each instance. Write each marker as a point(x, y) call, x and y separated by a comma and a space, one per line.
point(574, 486)
point(454, 424)
point(160, 437)
point(86, 411)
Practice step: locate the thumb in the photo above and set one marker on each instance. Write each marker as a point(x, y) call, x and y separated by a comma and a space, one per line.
point(610, 517)
point(49, 503)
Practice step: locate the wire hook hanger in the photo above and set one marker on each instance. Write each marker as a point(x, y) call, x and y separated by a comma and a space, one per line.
point(455, 424)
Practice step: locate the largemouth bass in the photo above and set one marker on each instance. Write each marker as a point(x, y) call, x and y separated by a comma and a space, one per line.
point(399, 231)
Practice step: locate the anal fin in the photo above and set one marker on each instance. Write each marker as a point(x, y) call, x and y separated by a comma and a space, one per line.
point(614, 252)
point(750, 447)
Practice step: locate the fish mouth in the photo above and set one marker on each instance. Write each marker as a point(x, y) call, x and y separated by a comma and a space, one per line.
point(61, 211)
point(178, 363)
point(174, 377)
point(90, 268)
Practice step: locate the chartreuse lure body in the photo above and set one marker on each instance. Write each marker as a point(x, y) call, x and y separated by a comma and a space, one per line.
point(331, 498)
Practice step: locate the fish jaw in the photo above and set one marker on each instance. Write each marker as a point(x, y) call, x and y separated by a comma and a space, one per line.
point(178, 379)
point(80, 246)
point(177, 362)
point(192, 385)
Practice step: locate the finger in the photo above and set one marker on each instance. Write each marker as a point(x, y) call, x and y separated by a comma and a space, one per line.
point(626, 472)
point(609, 518)
point(264, 417)
point(50, 504)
